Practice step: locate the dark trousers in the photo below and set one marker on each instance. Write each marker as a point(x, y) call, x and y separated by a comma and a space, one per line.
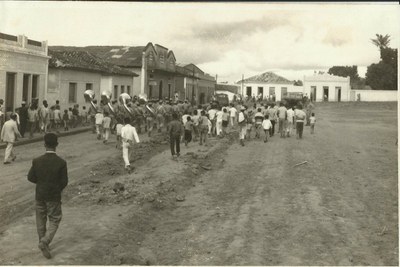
point(23, 127)
point(44, 210)
point(299, 128)
point(174, 141)
point(272, 130)
point(188, 136)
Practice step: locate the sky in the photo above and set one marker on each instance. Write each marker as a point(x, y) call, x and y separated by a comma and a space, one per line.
point(228, 39)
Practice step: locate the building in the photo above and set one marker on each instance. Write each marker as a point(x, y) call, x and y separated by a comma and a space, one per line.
point(71, 73)
point(194, 84)
point(154, 66)
point(321, 86)
point(267, 85)
point(23, 70)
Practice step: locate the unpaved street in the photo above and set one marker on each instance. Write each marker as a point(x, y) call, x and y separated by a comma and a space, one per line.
point(224, 204)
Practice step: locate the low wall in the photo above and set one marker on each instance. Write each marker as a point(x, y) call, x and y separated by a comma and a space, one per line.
point(373, 95)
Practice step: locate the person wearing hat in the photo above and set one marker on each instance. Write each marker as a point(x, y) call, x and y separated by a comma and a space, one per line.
point(49, 173)
point(23, 117)
point(8, 135)
point(242, 121)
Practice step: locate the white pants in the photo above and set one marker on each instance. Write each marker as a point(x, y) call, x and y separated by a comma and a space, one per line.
point(9, 153)
point(126, 152)
point(106, 134)
point(98, 128)
point(219, 127)
point(233, 119)
point(242, 132)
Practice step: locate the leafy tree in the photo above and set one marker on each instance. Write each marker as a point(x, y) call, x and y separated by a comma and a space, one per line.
point(348, 71)
point(383, 75)
point(381, 41)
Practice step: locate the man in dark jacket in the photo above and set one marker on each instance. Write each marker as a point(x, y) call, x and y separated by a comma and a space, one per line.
point(23, 117)
point(49, 173)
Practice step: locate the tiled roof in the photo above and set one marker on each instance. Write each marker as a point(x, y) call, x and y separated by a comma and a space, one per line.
point(83, 60)
point(267, 77)
point(124, 56)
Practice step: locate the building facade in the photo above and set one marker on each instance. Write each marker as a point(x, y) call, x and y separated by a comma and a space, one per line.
point(71, 73)
point(326, 87)
point(23, 70)
point(266, 85)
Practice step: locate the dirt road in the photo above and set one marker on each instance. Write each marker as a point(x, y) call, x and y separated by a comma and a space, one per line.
point(226, 204)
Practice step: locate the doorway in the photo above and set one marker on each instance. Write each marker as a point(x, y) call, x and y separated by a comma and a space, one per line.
point(25, 87)
point(326, 93)
point(160, 90)
point(248, 91)
point(313, 95)
point(202, 98)
point(10, 92)
point(338, 93)
point(169, 91)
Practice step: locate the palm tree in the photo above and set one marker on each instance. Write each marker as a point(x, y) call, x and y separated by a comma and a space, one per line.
point(381, 41)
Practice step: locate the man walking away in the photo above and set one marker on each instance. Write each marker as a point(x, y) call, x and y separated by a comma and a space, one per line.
point(267, 125)
point(32, 120)
point(23, 117)
point(49, 173)
point(290, 118)
point(258, 117)
point(282, 115)
point(8, 133)
point(128, 135)
point(175, 130)
point(242, 125)
point(300, 116)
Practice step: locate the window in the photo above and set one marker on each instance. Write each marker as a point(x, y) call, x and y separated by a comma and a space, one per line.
point(248, 91)
point(89, 86)
point(72, 93)
point(128, 89)
point(115, 91)
point(271, 90)
point(161, 58)
point(260, 91)
point(122, 89)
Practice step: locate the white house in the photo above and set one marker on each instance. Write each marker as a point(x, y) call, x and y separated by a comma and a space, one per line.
point(334, 88)
point(267, 84)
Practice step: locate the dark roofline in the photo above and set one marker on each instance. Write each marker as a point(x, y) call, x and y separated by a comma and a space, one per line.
point(161, 46)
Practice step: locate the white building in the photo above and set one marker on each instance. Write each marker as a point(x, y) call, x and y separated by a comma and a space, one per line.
point(23, 70)
point(267, 84)
point(334, 88)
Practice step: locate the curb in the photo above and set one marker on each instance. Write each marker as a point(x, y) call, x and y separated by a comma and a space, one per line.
point(40, 138)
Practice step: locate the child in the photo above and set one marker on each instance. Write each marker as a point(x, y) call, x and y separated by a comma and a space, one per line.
point(267, 126)
point(57, 117)
point(106, 127)
point(225, 120)
point(312, 122)
point(195, 118)
point(118, 128)
point(204, 128)
point(66, 120)
point(99, 121)
point(188, 130)
point(175, 130)
point(84, 116)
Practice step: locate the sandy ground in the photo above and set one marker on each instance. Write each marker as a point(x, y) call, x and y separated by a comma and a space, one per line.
point(223, 204)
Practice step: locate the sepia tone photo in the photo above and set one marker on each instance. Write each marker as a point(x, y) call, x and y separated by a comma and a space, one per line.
point(199, 134)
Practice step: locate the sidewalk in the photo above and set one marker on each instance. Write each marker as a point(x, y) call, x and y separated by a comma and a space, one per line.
point(39, 137)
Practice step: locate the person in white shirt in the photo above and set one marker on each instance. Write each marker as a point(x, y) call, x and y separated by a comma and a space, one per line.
point(219, 115)
point(258, 119)
point(267, 126)
point(242, 120)
point(232, 114)
point(8, 134)
point(211, 115)
point(128, 135)
point(99, 121)
point(313, 120)
point(300, 116)
point(290, 121)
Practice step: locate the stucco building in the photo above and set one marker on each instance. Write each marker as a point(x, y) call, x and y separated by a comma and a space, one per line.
point(23, 70)
point(71, 73)
point(267, 84)
point(321, 86)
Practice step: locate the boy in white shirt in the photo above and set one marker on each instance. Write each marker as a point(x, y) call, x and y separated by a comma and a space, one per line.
point(313, 120)
point(267, 126)
point(129, 135)
point(99, 121)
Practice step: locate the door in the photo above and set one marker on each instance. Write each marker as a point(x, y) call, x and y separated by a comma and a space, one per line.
point(25, 87)
point(160, 91)
point(35, 85)
point(313, 95)
point(10, 92)
point(326, 93)
point(260, 92)
point(283, 92)
point(248, 91)
point(338, 93)
point(169, 91)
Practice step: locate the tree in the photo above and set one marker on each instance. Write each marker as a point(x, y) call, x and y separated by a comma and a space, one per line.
point(348, 71)
point(383, 75)
point(381, 41)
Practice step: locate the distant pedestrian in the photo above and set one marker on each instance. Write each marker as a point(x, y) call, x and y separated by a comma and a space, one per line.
point(44, 117)
point(282, 116)
point(129, 136)
point(188, 130)
point(195, 119)
point(313, 120)
point(258, 120)
point(49, 173)
point(267, 126)
point(218, 123)
point(66, 120)
point(32, 120)
point(51, 118)
point(203, 128)
point(242, 125)
point(23, 117)
point(300, 116)
point(99, 121)
point(84, 116)
point(290, 121)
point(8, 135)
point(106, 127)
point(225, 121)
point(57, 117)
point(2, 113)
point(175, 130)
point(272, 117)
